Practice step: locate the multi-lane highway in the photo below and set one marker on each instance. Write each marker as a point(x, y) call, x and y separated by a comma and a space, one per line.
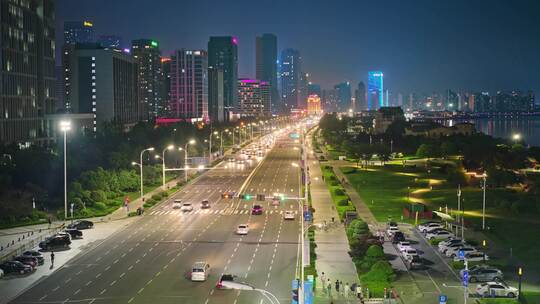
point(149, 261)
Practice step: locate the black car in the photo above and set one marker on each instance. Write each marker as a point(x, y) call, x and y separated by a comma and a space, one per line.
point(74, 233)
point(415, 262)
point(57, 241)
point(30, 261)
point(15, 267)
point(82, 224)
point(398, 237)
point(34, 254)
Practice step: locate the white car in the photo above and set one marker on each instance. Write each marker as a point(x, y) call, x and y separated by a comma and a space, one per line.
point(186, 207)
point(474, 257)
point(429, 226)
point(449, 242)
point(1, 273)
point(443, 249)
point(404, 245)
point(288, 215)
point(391, 230)
point(177, 204)
point(242, 229)
point(496, 289)
point(409, 253)
point(453, 252)
point(439, 235)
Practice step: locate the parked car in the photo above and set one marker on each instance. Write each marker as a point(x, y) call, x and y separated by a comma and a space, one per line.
point(391, 230)
point(483, 273)
point(257, 210)
point(428, 226)
point(56, 241)
point(1, 273)
point(414, 262)
point(205, 204)
point(242, 229)
point(391, 224)
point(35, 254)
point(474, 257)
point(432, 228)
point(398, 237)
point(403, 245)
point(453, 252)
point(288, 215)
point(451, 246)
point(496, 289)
point(186, 207)
point(74, 233)
point(409, 253)
point(448, 242)
point(439, 235)
point(30, 261)
point(15, 267)
point(223, 278)
point(177, 204)
point(81, 224)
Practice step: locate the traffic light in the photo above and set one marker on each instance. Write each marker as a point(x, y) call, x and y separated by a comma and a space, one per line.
point(247, 197)
point(261, 197)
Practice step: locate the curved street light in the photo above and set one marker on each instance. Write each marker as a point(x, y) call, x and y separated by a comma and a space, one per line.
point(140, 164)
point(190, 142)
point(65, 125)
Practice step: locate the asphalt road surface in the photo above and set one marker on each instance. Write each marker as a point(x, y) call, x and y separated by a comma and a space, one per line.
point(149, 261)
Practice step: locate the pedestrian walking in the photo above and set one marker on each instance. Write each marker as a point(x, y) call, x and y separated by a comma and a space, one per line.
point(329, 288)
point(323, 279)
point(50, 222)
point(52, 259)
point(346, 290)
point(337, 286)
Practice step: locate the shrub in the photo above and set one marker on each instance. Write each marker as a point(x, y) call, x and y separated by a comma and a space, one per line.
point(98, 196)
point(100, 206)
point(378, 278)
point(151, 202)
point(156, 197)
point(434, 242)
point(339, 191)
point(356, 228)
point(343, 202)
point(164, 194)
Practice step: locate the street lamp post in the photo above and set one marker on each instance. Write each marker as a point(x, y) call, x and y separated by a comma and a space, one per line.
point(190, 142)
point(170, 147)
point(520, 274)
point(221, 141)
point(484, 176)
point(65, 125)
point(140, 164)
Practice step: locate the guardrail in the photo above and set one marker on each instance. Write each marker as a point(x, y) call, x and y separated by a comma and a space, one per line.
point(25, 241)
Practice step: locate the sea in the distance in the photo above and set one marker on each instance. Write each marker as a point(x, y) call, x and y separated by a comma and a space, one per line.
point(505, 127)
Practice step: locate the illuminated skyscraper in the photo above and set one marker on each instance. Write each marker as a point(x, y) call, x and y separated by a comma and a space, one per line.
point(148, 56)
point(110, 41)
point(360, 97)
point(266, 62)
point(375, 90)
point(223, 55)
point(253, 98)
point(291, 80)
point(344, 96)
point(189, 85)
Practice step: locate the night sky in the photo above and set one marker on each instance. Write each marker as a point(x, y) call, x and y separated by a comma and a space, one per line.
point(421, 46)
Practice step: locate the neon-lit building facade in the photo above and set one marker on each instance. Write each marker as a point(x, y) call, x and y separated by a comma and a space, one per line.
point(375, 94)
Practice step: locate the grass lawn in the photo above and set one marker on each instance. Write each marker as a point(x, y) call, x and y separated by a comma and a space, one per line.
point(385, 191)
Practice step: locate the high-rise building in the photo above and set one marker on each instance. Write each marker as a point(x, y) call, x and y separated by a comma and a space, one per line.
point(104, 83)
point(189, 85)
point(78, 32)
point(266, 62)
point(216, 109)
point(329, 100)
point(148, 56)
point(314, 104)
point(75, 32)
point(223, 55)
point(291, 80)
point(110, 41)
point(344, 96)
point(375, 96)
point(27, 70)
point(360, 97)
point(166, 87)
point(254, 98)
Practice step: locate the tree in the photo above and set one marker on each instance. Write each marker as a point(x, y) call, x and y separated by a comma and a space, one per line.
point(448, 148)
point(427, 151)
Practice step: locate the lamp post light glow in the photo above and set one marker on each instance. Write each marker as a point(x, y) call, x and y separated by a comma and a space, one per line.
point(516, 137)
point(190, 142)
point(65, 125)
point(140, 164)
point(170, 147)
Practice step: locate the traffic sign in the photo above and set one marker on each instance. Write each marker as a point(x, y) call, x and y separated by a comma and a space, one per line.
point(307, 216)
point(465, 278)
point(461, 255)
point(443, 299)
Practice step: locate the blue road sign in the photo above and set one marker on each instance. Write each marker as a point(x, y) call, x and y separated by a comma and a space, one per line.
point(308, 292)
point(466, 278)
point(307, 216)
point(443, 299)
point(461, 255)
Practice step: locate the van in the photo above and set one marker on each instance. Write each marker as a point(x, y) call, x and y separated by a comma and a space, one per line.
point(200, 271)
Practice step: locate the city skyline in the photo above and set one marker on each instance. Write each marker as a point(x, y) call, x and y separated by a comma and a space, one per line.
point(416, 59)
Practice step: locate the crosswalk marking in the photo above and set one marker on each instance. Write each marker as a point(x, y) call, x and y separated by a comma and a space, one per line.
point(227, 211)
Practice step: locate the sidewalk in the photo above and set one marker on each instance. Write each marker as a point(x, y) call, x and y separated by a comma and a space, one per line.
point(332, 245)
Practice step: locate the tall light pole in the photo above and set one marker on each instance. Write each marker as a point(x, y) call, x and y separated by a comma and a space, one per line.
point(221, 141)
point(140, 164)
point(484, 176)
point(170, 147)
point(65, 125)
point(190, 142)
point(210, 145)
